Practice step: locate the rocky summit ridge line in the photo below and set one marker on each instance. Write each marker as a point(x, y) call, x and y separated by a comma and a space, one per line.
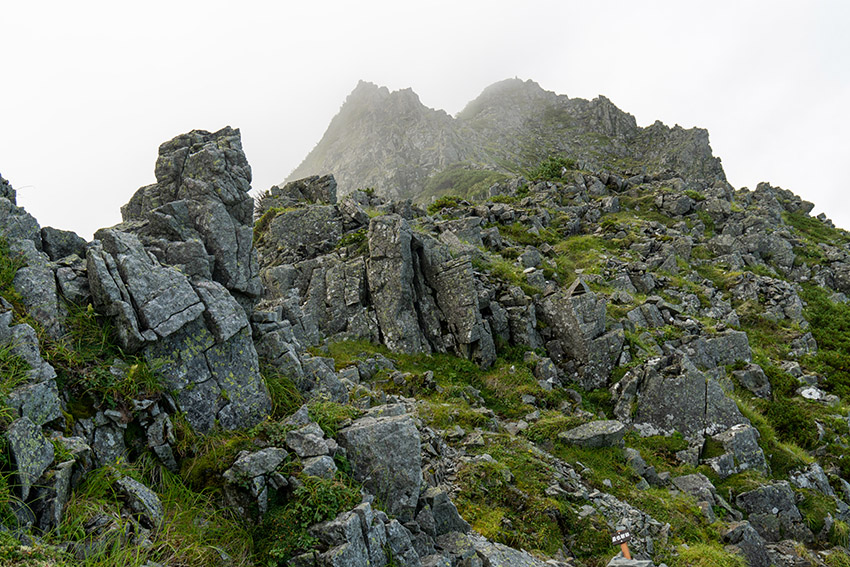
point(391, 142)
point(341, 380)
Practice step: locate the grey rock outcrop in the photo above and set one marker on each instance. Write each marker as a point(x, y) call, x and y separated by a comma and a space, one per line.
point(385, 456)
point(58, 244)
point(177, 276)
point(744, 540)
point(742, 451)
point(200, 210)
point(314, 189)
point(362, 537)
point(498, 555)
point(141, 501)
point(578, 323)
point(603, 433)
point(31, 452)
point(773, 512)
point(670, 394)
point(36, 284)
point(409, 293)
point(15, 222)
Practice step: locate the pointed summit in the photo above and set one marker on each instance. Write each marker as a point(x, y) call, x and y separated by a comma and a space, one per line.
point(390, 141)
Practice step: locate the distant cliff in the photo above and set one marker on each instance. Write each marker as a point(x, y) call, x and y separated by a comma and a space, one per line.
point(393, 143)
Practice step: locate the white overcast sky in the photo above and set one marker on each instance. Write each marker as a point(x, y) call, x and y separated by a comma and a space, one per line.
point(88, 90)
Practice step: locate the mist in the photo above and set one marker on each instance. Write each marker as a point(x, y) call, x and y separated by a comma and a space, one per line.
point(90, 90)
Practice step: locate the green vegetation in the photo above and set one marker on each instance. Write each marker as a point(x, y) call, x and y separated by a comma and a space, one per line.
point(695, 195)
point(356, 240)
point(705, 555)
point(283, 392)
point(520, 234)
point(85, 362)
point(505, 270)
point(460, 179)
point(830, 326)
point(583, 252)
point(504, 498)
point(13, 372)
point(815, 230)
point(553, 168)
point(193, 532)
point(445, 202)
point(283, 532)
point(10, 263)
point(263, 222)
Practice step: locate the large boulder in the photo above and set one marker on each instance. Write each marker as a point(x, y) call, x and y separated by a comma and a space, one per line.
point(31, 452)
point(595, 434)
point(497, 555)
point(313, 189)
point(744, 540)
point(391, 275)
point(578, 323)
point(179, 276)
point(15, 222)
point(742, 451)
point(36, 284)
point(385, 456)
point(296, 234)
point(424, 299)
point(200, 206)
point(670, 394)
point(773, 512)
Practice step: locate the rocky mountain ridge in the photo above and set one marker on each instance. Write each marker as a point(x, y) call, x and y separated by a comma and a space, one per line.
point(356, 380)
point(391, 142)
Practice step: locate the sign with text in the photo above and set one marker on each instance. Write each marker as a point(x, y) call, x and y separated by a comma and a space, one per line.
point(621, 536)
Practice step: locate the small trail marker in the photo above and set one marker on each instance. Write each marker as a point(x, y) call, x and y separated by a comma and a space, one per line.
point(622, 538)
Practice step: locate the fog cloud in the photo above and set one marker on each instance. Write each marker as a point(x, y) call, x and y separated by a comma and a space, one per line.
point(89, 90)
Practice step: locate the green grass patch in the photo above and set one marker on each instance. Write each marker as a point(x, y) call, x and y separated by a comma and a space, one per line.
point(331, 415)
point(284, 534)
point(356, 240)
point(204, 458)
point(582, 252)
point(695, 195)
point(782, 456)
point(445, 202)
point(815, 229)
point(709, 554)
point(520, 234)
point(13, 373)
point(501, 386)
point(830, 326)
point(193, 532)
point(83, 360)
point(461, 180)
point(10, 263)
point(815, 506)
point(285, 397)
point(546, 429)
point(262, 223)
point(659, 451)
point(505, 500)
point(553, 168)
point(707, 222)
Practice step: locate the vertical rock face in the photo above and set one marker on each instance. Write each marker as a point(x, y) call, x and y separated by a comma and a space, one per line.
point(391, 283)
point(578, 324)
point(424, 299)
point(385, 455)
point(201, 196)
point(179, 275)
point(392, 142)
